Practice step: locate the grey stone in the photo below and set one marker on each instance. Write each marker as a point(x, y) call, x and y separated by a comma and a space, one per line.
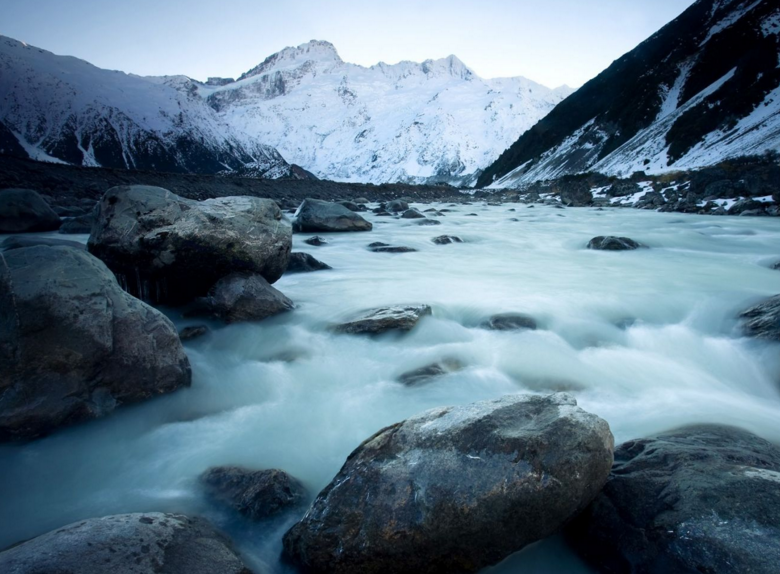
point(20, 241)
point(193, 332)
point(242, 297)
point(427, 373)
point(446, 239)
point(315, 215)
point(384, 319)
point(612, 243)
point(412, 214)
point(763, 320)
point(305, 263)
point(509, 322)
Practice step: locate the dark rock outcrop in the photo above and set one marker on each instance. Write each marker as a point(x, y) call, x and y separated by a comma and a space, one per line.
point(143, 543)
point(305, 263)
point(763, 320)
point(456, 489)
point(23, 210)
point(256, 494)
point(699, 499)
point(384, 319)
point(611, 243)
point(446, 239)
point(427, 373)
point(74, 345)
point(242, 297)
point(315, 215)
point(509, 322)
point(168, 249)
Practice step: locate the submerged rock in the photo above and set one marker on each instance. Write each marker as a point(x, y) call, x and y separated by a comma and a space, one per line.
point(611, 243)
point(379, 247)
point(168, 249)
point(305, 263)
point(376, 321)
point(509, 322)
point(699, 499)
point(21, 241)
point(763, 320)
point(74, 345)
point(23, 210)
point(315, 215)
point(428, 372)
point(143, 543)
point(456, 489)
point(256, 494)
point(242, 297)
point(446, 239)
point(428, 222)
point(317, 241)
point(193, 332)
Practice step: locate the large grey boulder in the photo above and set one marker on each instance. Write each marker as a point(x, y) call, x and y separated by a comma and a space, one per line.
point(456, 489)
point(384, 319)
point(256, 494)
point(699, 499)
point(763, 320)
point(316, 215)
point(74, 345)
point(242, 297)
point(168, 249)
point(144, 543)
point(23, 210)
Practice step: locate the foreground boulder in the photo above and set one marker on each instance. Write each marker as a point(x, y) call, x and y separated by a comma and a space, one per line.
point(256, 494)
point(168, 249)
point(23, 210)
point(242, 297)
point(509, 322)
point(305, 263)
point(74, 345)
point(763, 320)
point(143, 543)
point(377, 321)
point(316, 215)
point(699, 499)
point(456, 489)
point(611, 243)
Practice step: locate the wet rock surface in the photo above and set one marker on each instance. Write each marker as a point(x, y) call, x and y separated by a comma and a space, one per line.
point(763, 320)
point(382, 320)
point(315, 215)
point(316, 241)
point(379, 247)
point(74, 345)
point(168, 249)
point(242, 297)
point(456, 489)
point(193, 332)
point(81, 224)
point(509, 322)
point(256, 494)
point(430, 372)
point(305, 263)
point(446, 239)
point(24, 210)
point(143, 543)
point(611, 243)
point(699, 499)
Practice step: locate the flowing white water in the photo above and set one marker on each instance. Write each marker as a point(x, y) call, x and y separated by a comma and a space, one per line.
point(646, 339)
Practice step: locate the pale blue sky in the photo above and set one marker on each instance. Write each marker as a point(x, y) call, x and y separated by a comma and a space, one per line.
point(550, 41)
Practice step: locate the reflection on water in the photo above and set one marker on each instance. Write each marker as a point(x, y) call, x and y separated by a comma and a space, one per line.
point(646, 339)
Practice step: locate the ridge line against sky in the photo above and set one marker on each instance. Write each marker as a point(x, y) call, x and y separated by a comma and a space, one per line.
point(552, 42)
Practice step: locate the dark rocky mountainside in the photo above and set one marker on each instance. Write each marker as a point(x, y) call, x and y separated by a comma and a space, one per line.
point(702, 89)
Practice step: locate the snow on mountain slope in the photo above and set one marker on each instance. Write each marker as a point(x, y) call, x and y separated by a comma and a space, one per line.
point(704, 88)
point(64, 109)
point(432, 121)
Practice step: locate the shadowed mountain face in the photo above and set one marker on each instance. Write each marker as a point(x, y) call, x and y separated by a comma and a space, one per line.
point(704, 88)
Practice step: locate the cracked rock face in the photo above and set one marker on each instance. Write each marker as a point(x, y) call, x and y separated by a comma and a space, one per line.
point(144, 543)
point(704, 498)
point(456, 489)
point(168, 249)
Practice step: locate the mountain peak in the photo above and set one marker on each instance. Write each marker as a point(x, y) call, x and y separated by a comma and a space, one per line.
point(313, 50)
point(451, 65)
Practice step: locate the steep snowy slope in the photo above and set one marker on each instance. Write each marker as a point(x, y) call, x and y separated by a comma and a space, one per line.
point(706, 87)
point(63, 109)
point(434, 121)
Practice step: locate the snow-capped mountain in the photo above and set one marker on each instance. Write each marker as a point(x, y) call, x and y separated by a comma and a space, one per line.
point(62, 109)
point(434, 121)
point(705, 88)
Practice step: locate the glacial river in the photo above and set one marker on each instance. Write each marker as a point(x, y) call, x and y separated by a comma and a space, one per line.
point(646, 339)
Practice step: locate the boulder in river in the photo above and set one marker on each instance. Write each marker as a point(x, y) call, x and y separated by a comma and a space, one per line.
point(612, 243)
point(509, 322)
point(763, 320)
point(256, 494)
point(412, 214)
point(74, 345)
point(699, 499)
point(143, 543)
point(169, 249)
point(446, 239)
point(397, 205)
point(23, 210)
point(242, 297)
point(384, 319)
point(81, 224)
point(316, 241)
point(456, 489)
point(316, 215)
point(433, 371)
point(305, 263)
point(428, 222)
point(379, 247)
